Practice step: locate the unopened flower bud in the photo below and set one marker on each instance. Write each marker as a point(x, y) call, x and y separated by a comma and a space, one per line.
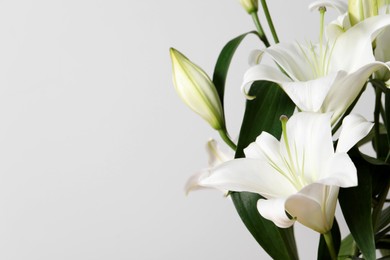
point(197, 90)
point(358, 10)
point(251, 6)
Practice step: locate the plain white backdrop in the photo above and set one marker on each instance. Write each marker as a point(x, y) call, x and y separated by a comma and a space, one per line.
point(95, 145)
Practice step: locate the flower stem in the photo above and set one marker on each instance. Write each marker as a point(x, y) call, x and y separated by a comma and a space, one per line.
point(260, 30)
point(224, 135)
point(329, 242)
point(378, 96)
point(269, 20)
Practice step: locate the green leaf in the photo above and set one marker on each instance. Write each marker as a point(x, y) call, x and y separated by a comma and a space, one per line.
point(347, 248)
point(384, 219)
point(262, 114)
point(223, 63)
point(355, 204)
point(387, 119)
point(323, 251)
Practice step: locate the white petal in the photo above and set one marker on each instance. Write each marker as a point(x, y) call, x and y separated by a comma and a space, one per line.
point(267, 148)
point(248, 175)
point(354, 128)
point(263, 72)
point(337, 27)
point(193, 182)
point(357, 40)
point(273, 209)
point(340, 6)
point(339, 171)
point(310, 143)
point(216, 156)
point(310, 95)
point(346, 88)
point(314, 206)
point(291, 57)
point(255, 57)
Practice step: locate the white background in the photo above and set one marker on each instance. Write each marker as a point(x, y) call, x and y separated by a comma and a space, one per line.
point(95, 145)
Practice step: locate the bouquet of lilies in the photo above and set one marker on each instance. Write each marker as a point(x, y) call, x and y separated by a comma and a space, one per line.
point(298, 151)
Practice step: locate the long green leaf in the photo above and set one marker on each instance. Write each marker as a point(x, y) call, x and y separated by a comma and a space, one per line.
point(262, 114)
point(355, 204)
point(223, 63)
point(387, 120)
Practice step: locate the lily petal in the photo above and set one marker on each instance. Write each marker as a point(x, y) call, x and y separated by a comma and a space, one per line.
point(216, 155)
point(354, 128)
point(255, 57)
point(291, 57)
point(339, 171)
point(273, 209)
point(346, 89)
point(193, 183)
point(340, 6)
point(310, 95)
point(248, 175)
point(357, 40)
point(263, 72)
point(306, 132)
point(314, 206)
point(337, 27)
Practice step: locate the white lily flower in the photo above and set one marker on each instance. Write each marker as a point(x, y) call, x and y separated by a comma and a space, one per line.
point(197, 90)
point(324, 78)
point(300, 174)
point(381, 50)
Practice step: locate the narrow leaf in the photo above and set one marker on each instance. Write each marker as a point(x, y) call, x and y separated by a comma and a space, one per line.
point(262, 114)
point(387, 119)
point(223, 63)
point(355, 204)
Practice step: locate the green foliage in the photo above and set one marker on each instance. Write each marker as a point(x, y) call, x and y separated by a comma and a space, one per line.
point(223, 63)
point(355, 203)
point(262, 114)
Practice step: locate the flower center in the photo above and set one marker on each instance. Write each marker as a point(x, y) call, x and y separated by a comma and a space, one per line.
point(295, 168)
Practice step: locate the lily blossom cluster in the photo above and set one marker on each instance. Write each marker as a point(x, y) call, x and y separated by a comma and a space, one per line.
point(306, 168)
point(295, 168)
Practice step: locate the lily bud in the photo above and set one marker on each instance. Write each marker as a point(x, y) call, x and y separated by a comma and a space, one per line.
point(358, 10)
point(197, 90)
point(251, 6)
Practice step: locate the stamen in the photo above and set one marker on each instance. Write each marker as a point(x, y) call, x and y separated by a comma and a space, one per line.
point(290, 162)
point(322, 11)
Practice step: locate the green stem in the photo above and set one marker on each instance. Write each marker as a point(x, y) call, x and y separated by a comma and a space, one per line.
point(378, 96)
point(376, 213)
point(260, 30)
point(269, 20)
point(329, 242)
point(224, 135)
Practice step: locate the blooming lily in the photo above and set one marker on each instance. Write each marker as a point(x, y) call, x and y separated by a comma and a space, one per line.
point(197, 90)
point(381, 50)
point(324, 77)
point(300, 174)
